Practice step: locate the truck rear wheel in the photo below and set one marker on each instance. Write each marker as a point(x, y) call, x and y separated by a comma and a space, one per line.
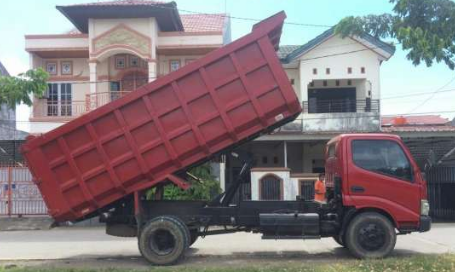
point(163, 240)
point(370, 235)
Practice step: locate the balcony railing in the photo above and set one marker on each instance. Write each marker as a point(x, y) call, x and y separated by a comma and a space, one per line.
point(45, 108)
point(354, 116)
point(97, 100)
point(74, 108)
point(340, 106)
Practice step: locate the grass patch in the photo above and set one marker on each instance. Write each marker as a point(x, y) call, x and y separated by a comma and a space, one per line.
point(430, 263)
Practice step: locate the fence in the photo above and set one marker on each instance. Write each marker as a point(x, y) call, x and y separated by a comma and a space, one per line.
point(74, 108)
point(19, 196)
point(341, 105)
point(441, 191)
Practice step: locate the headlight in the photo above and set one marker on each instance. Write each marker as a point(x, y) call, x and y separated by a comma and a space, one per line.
point(424, 207)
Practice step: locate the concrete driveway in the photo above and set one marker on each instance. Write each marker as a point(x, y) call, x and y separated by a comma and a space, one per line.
point(91, 247)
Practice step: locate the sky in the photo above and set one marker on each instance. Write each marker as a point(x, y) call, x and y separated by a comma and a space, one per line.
point(398, 75)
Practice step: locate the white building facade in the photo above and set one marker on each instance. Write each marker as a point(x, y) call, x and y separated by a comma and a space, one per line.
point(338, 81)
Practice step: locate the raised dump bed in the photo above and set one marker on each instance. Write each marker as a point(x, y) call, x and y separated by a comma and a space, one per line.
point(227, 97)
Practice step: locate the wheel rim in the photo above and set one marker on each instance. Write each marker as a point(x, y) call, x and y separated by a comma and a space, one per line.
point(162, 242)
point(372, 237)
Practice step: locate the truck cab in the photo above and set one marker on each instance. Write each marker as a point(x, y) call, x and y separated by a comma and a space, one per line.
point(376, 174)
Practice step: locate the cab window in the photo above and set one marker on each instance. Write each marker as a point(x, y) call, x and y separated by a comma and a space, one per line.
point(383, 157)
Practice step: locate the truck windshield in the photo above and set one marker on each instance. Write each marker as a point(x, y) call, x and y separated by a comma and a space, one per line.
point(381, 156)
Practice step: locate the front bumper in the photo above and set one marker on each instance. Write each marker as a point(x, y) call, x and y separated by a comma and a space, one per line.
point(425, 223)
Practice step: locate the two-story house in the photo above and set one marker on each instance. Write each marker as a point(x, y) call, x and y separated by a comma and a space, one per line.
point(338, 83)
point(115, 47)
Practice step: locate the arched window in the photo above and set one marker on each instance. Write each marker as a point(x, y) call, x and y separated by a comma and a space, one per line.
point(270, 187)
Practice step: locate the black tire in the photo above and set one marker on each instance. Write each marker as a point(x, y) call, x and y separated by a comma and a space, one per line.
point(164, 240)
point(340, 240)
point(184, 227)
point(370, 236)
point(194, 235)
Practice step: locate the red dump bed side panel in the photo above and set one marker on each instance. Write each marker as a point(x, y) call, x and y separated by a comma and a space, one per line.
point(135, 142)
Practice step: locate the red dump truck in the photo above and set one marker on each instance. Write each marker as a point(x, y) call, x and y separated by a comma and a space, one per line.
point(101, 163)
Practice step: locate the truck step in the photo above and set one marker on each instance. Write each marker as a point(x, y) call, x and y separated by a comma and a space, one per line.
point(290, 237)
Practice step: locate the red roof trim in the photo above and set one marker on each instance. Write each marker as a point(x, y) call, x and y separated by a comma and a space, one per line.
point(120, 3)
point(421, 120)
point(55, 36)
point(435, 128)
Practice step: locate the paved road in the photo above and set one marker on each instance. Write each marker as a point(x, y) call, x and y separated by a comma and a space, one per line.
point(91, 247)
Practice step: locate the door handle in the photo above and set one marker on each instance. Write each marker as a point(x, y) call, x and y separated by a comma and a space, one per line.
point(357, 189)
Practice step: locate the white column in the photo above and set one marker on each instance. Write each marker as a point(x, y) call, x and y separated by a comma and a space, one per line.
point(223, 176)
point(152, 62)
point(304, 81)
point(152, 70)
point(285, 144)
point(93, 79)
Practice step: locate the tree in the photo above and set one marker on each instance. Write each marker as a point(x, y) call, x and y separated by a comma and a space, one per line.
point(17, 90)
point(425, 28)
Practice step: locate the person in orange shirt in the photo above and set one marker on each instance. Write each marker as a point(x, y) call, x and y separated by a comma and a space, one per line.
point(319, 189)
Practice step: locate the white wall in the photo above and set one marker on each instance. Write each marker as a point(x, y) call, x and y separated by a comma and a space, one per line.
point(59, 43)
point(289, 192)
point(331, 54)
point(163, 61)
point(338, 64)
point(141, 25)
point(166, 40)
point(293, 74)
point(290, 184)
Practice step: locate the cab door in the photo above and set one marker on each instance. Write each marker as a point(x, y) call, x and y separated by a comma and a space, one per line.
point(381, 175)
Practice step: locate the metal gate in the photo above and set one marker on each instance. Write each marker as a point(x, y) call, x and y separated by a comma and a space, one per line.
point(18, 194)
point(306, 189)
point(441, 192)
point(271, 187)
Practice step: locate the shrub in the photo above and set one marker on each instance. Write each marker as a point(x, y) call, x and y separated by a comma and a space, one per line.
point(203, 189)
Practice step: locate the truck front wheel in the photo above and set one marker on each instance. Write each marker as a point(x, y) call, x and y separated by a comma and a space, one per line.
point(370, 235)
point(163, 240)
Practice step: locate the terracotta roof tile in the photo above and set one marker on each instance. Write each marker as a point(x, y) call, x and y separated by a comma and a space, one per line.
point(122, 3)
point(191, 22)
point(203, 22)
point(427, 128)
point(421, 120)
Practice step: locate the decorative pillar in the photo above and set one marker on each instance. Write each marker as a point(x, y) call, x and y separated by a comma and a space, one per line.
point(285, 145)
point(304, 81)
point(93, 78)
point(152, 70)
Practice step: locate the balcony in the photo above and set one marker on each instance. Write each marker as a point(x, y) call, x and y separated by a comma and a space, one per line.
point(337, 116)
point(340, 106)
point(64, 110)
